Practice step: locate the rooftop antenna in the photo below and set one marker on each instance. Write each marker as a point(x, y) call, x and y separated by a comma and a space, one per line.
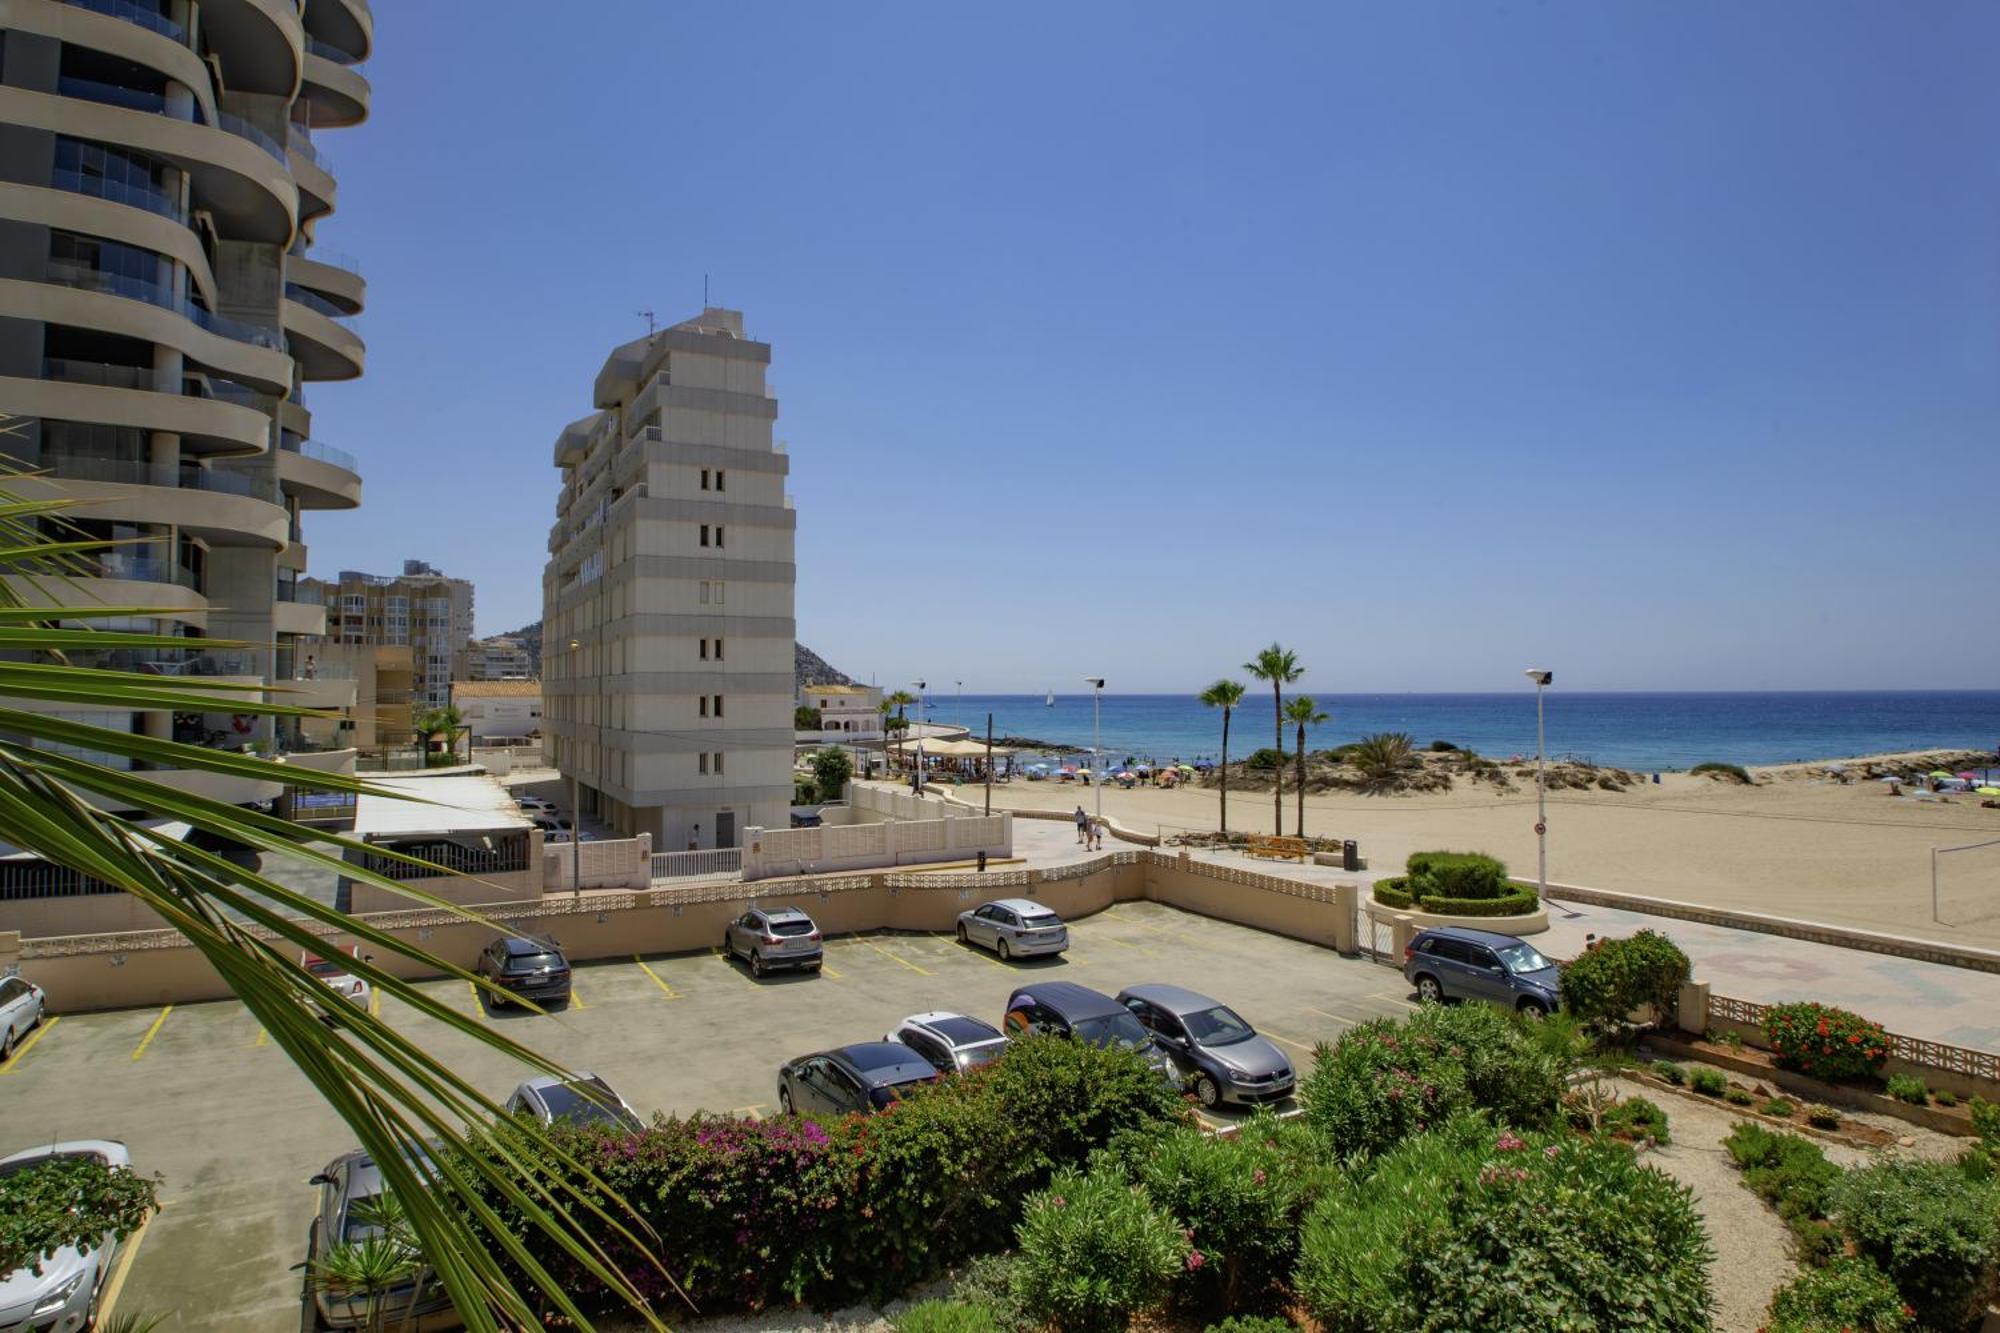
point(704, 291)
point(651, 327)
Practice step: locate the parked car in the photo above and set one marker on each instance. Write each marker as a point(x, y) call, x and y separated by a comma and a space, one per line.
point(1219, 1054)
point(863, 1078)
point(527, 966)
point(1455, 963)
point(552, 823)
point(950, 1041)
point(770, 937)
point(576, 1099)
point(1065, 1009)
point(21, 1005)
point(536, 804)
point(349, 1181)
point(1014, 928)
point(62, 1298)
point(337, 977)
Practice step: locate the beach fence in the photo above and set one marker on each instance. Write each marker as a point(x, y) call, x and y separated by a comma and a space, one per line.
point(1965, 883)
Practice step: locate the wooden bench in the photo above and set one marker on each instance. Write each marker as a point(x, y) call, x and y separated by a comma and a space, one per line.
point(1288, 848)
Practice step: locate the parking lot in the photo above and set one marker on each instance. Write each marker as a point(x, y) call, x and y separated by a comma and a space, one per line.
point(202, 1097)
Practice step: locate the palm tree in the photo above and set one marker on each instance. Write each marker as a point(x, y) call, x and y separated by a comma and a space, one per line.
point(1305, 712)
point(425, 725)
point(900, 700)
point(61, 801)
point(1281, 667)
point(1224, 694)
point(369, 1268)
point(1383, 757)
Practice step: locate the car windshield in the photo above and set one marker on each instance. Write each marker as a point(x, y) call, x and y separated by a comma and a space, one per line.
point(1524, 958)
point(1119, 1029)
point(974, 1056)
point(959, 1029)
point(532, 962)
point(796, 926)
point(323, 967)
point(1217, 1027)
point(882, 1096)
point(1040, 920)
point(586, 1102)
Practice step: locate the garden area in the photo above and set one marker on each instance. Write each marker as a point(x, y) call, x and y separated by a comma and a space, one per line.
point(1456, 884)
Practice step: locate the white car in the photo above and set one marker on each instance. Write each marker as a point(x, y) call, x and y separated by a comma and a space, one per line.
point(338, 977)
point(21, 1005)
point(951, 1042)
point(1014, 928)
point(62, 1298)
point(535, 805)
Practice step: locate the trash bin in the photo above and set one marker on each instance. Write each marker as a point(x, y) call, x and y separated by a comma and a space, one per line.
point(1350, 855)
point(982, 860)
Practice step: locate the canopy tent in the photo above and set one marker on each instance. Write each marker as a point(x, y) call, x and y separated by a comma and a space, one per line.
point(935, 749)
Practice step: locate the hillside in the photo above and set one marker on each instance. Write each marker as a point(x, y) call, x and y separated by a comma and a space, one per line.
point(808, 667)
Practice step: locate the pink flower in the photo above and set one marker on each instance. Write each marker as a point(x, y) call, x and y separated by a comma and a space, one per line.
point(1509, 1142)
point(1551, 1150)
point(1258, 1175)
point(1195, 1260)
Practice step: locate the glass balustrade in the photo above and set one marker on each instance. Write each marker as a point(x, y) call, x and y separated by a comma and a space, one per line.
point(64, 467)
point(118, 192)
point(154, 293)
point(142, 15)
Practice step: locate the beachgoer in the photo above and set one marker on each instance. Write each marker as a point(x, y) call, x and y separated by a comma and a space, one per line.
point(312, 668)
point(1096, 835)
point(1082, 827)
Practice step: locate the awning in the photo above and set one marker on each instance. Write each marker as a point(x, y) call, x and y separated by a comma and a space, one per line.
point(936, 749)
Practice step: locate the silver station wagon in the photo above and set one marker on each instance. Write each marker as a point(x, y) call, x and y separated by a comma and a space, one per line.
point(1014, 928)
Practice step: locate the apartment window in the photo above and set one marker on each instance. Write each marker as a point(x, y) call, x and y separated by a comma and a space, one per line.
point(718, 706)
point(718, 650)
point(704, 762)
point(715, 763)
point(704, 534)
point(720, 475)
point(711, 594)
point(704, 650)
point(704, 705)
point(718, 534)
point(704, 478)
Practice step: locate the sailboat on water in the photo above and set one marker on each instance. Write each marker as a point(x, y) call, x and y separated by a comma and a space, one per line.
point(1050, 702)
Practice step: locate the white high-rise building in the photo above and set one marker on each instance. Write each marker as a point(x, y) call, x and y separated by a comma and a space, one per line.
point(668, 596)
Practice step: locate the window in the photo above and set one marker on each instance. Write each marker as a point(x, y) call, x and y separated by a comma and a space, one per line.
point(718, 761)
point(718, 534)
point(704, 478)
point(703, 757)
point(704, 650)
point(719, 475)
point(718, 706)
point(718, 650)
point(711, 595)
point(704, 705)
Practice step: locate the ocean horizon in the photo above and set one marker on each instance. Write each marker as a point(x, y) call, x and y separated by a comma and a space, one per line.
point(1636, 729)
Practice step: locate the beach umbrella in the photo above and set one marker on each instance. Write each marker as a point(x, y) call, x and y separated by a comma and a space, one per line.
point(1187, 768)
point(1968, 775)
point(1938, 773)
point(1142, 768)
point(1987, 791)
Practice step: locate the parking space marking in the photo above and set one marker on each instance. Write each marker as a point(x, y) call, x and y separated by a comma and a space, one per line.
point(827, 971)
point(729, 964)
point(894, 958)
point(576, 997)
point(665, 989)
point(151, 1032)
point(263, 1037)
point(29, 1044)
point(1341, 1019)
point(755, 1112)
point(1134, 921)
point(1292, 1042)
point(961, 949)
point(1135, 948)
point(107, 1301)
point(375, 1003)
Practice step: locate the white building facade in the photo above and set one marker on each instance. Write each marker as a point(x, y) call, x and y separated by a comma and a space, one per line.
point(848, 714)
point(668, 596)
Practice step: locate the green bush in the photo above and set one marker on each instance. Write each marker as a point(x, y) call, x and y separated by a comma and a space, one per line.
point(1825, 1042)
point(69, 1201)
point(1738, 1096)
point(1476, 1228)
point(1907, 1088)
point(1265, 760)
point(1822, 1117)
point(831, 771)
point(989, 1283)
point(1394, 893)
point(1708, 1082)
point(1238, 1201)
point(1456, 875)
point(1670, 1071)
point(1793, 1175)
point(1735, 772)
point(1945, 1097)
point(1606, 984)
point(1252, 1323)
point(945, 1317)
point(1636, 1118)
point(1510, 904)
point(1094, 1250)
point(1442, 747)
point(1985, 1120)
point(1386, 1079)
point(1779, 1107)
point(1934, 1231)
point(1850, 1294)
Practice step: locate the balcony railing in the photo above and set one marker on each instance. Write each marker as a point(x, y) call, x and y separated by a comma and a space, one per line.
point(140, 569)
point(299, 138)
point(69, 468)
point(325, 453)
point(132, 13)
point(243, 129)
point(118, 192)
point(97, 372)
point(175, 661)
point(153, 293)
point(312, 300)
point(112, 94)
point(328, 51)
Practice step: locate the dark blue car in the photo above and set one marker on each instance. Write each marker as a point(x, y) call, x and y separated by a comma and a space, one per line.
point(1455, 963)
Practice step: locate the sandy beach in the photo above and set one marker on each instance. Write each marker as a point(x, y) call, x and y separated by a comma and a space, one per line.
point(1796, 844)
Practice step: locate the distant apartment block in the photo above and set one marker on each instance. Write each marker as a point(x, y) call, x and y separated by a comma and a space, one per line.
point(498, 710)
point(164, 307)
point(499, 658)
point(384, 682)
point(667, 654)
point(423, 609)
point(848, 714)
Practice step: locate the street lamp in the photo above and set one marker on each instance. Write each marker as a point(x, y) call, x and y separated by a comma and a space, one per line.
point(1096, 684)
point(917, 784)
point(1542, 680)
point(958, 708)
point(576, 777)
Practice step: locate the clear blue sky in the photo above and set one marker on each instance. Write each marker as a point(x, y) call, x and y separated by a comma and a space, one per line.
point(1656, 342)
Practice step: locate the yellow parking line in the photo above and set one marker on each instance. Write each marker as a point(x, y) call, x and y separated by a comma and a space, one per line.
point(730, 964)
point(29, 1044)
point(107, 1302)
point(827, 971)
point(969, 948)
point(1292, 1042)
point(151, 1032)
point(754, 1112)
point(1338, 1018)
point(576, 997)
point(665, 989)
point(894, 958)
point(263, 1037)
point(1134, 921)
point(375, 1002)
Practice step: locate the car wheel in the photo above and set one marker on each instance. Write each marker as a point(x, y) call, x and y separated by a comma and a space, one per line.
point(961, 932)
point(756, 963)
point(7, 1042)
point(1207, 1092)
point(1006, 954)
point(1428, 991)
point(785, 1100)
point(728, 946)
point(1534, 1009)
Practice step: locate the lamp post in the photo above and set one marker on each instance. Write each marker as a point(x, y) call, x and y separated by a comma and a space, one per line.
point(1542, 680)
point(958, 708)
point(917, 785)
point(576, 778)
point(1096, 684)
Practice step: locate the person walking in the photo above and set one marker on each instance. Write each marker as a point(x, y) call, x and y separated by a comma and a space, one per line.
point(1096, 835)
point(1082, 827)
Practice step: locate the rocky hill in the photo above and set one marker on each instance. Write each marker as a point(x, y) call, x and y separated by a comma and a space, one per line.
point(808, 667)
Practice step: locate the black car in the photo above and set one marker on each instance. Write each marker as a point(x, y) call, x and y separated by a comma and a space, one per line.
point(1216, 1051)
point(864, 1077)
point(1065, 1009)
point(531, 968)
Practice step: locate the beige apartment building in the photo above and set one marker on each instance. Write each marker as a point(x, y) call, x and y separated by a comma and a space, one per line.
point(422, 609)
point(499, 658)
point(668, 595)
point(163, 311)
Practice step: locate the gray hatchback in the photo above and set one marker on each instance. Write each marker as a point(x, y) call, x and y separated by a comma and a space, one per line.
point(1220, 1055)
point(1455, 963)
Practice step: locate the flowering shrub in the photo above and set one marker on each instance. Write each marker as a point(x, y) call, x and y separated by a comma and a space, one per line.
point(1606, 984)
point(1825, 1042)
point(1502, 1231)
point(1094, 1250)
point(1850, 1293)
point(1385, 1080)
point(1238, 1200)
point(1932, 1228)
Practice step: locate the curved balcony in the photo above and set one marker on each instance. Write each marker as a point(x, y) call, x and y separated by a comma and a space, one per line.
point(345, 26)
point(320, 476)
point(313, 173)
point(261, 44)
point(122, 29)
point(345, 290)
point(250, 192)
point(124, 579)
point(135, 316)
point(302, 618)
point(337, 94)
point(124, 396)
point(324, 349)
point(227, 509)
point(70, 204)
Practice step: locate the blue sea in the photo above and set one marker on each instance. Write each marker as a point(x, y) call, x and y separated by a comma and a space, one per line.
point(1627, 730)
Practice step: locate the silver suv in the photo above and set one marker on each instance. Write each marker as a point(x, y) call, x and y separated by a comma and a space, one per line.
point(771, 937)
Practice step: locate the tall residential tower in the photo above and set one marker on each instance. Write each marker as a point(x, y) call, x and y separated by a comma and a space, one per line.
point(162, 310)
point(667, 600)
